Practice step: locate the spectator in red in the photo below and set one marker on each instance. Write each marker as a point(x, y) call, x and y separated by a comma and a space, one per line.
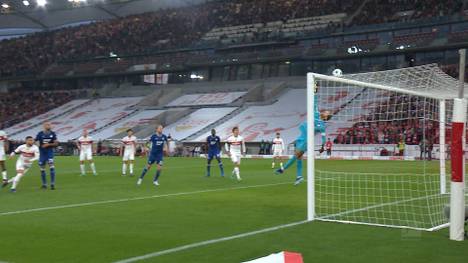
point(328, 147)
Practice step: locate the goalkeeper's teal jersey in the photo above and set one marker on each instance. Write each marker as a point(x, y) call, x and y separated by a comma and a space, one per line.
point(316, 109)
point(319, 125)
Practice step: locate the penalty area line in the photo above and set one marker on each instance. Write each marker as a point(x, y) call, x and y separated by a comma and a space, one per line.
point(208, 242)
point(40, 209)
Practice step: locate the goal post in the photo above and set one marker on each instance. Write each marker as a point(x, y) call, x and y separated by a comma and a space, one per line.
point(310, 145)
point(457, 185)
point(386, 128)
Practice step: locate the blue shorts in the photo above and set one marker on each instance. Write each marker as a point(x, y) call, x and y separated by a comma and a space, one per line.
point(213, 154)
point(46, 158)
point(155, 158)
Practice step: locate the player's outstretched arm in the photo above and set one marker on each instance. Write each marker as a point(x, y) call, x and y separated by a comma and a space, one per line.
point(16, 151)
point(36, 155)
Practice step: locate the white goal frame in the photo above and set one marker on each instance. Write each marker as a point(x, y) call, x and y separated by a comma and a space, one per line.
point(311, 79)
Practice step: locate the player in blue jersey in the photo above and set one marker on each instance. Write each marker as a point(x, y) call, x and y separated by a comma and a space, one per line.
point(47, 140)
point(158, 149)
point(213, 143)
point(301, 141)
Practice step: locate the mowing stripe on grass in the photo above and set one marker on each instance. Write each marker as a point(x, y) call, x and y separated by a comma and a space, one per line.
point(208, 242)
point(136, 199)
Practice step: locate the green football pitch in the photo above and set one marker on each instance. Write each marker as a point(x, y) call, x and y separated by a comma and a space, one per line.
point(190, 218)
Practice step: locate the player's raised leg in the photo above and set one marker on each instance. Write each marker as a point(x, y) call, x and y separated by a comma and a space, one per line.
point(145, 170)
point(15, 180)
point(4, 171)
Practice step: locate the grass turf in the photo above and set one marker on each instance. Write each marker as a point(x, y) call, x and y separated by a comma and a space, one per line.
point(188, 208)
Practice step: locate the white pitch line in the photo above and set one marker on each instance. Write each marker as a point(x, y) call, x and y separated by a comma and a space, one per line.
point(208, 242)
point(135, 199)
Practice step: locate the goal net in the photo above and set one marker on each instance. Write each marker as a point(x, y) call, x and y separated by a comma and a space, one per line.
point(388, 132)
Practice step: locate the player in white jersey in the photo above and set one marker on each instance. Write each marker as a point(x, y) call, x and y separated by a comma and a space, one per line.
point(235, 148)
point(85, 145)
point(278, 149)
point(28, 153)
point(128, 149)
point(3, 151)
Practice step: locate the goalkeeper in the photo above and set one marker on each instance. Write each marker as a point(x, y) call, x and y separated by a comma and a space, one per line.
point(301, 141)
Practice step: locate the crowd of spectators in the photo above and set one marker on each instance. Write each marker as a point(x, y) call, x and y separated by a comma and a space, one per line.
point(18, 106)
point(411, 131)
point(402, 117)
point(181, 27)
point(384, 11)
point(168, 28)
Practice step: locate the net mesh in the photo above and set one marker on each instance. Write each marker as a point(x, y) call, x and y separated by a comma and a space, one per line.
point(385, 166)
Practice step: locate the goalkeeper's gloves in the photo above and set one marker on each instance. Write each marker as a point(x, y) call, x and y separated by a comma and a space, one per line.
point(322, 149)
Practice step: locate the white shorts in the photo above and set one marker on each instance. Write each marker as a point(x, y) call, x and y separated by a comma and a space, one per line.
point(277, 153)
point(86, 155)
point(20, 166)
point(2, 155)
point(236, 158)
point(128, 156)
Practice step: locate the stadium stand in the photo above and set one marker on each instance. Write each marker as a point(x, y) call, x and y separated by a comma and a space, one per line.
point(98, 113)
point(130, 34)
point(270, 30)
point(143, 117)
point(20, 105)
point(384, 11)
point(218, 98)
point(54, 113)
point(196, 121)
point(261, 122)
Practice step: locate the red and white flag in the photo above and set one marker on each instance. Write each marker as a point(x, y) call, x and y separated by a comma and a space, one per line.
point(282, 257)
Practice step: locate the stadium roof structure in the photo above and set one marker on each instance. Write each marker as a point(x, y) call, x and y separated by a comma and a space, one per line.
point(426, 80)
point(60, 13)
